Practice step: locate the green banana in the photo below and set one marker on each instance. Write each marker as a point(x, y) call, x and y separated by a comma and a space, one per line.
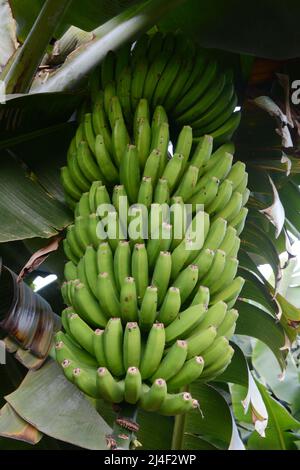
point(69, 253)
point(98, 345)
point(120, 140)
point(122, 261)
point(153, 397)
point(230, 293)
point(211, 95)
point(104, 160)
point(216, 234)
point(204, 261)
point(143, 141)
point(197, 90)
point(148, 311)
point(227, 327)
point(207, 194)
point(109, 389)
point(87, 163)
point(217, 349)
point(160, 141)
point(218, 366)
point(107, 296)
point(76, 174)
point(87, 307)
point(89, 131)
point(220, 119)
point(105, 262)
point(170, 306)
point(141, 112)
point(226, 277)
point(132, 345)
point(172, 362)
point(175, 404)
point(189, 180)
point(202, 296)
point(70, 271)
point(69, 184)
point(113, 346)
point(139, 74)
point(83, 206)
point(133, 385)
point(226, 130)
point(130, 173)
point(152, 166)
point(222, 198)
point(139, 269)
point(85, 379)
point(199, 342)
point(228, 241)
point(231, 210)
point(172, 171)
point(219, 170)
point(184, 145)
point(190, 372)
point(145, 194)
point(185, 322)
point(92, 195)
point(214, 316)
point(81, 332)
point(90, 268)
point(186, 281)
point(153, 351)
point(128, 300)
point(100, 123)
point(161, 275)
point(161, 193)
point(123, 91)
point(215, 270)
point(66, 349)
point(202, 153)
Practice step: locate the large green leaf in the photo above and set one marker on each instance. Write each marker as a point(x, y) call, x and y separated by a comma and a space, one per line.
point(285, 386)
point(281, 423)
point(257, 323)
point(48, 401)
point(31, 212)
point(14, 427)
point(206, 425)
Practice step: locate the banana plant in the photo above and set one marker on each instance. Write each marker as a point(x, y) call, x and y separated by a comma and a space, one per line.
point(49, 56)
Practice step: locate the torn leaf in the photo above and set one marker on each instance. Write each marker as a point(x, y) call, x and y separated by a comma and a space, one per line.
point(275, 213)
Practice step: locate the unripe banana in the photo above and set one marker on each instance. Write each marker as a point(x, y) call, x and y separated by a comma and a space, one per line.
point(161, 274)
point(98, 344)
point(152, 166)
point(214, 316)
point(66, 349)
point(215, 270)
point(133, 385)
point(83, 206)
point(226, 130)
point(69, 184)
point(153, 397)
point(170, 306)
point(90, 267)
point(184, 145)
point(202, 153)
point(219, 171)
point(105, 263)
point(218, 366)
point(230, 293)
point(216, 234)
point(175, 404)
point(113, 346)
point(202, 296)
point(232, 209)
point(141, 112)
point(81, 332)
point(143, 141)
point(76, 174)
point(237, 175)
point(190, 372)
point(104, 160)
point(145, 195)
point(120, 140)
point(153, 352)
point(128, 300)
point(115, 112)
point(119, 196)
point(70, 271)
point(186, 281)
point(172, 171)
point(124, 89)
point(185, 322)
point(222, 198)
point(160, 141)
point(187, 186)
point(89, 131)
point(87, 307)
point(227, 326)
point(148, 309)
point(138, 79)
point(199, 342)
point(92, 196)
point(69, 253)
point(100, 123)
point(67, 366)
point(122, 261)
point(172, 362)
point(218, 348)
point(227, 276)
point(235, 249)
point(85, 379)
point(139, 269)
point(238, 222)
point(109, 389)
point(228, 241)
point(87, 163)
point(107, 296)
point(132, 345)
point(108, 68)
point(243, 184)
point(130, 173)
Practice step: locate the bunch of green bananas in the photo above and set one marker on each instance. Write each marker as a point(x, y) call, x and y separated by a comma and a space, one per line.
point(148, 316)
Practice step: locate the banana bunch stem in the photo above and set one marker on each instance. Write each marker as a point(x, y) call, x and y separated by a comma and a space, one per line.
point(125, 428)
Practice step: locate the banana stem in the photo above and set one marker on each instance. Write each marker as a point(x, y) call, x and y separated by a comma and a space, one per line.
point(124, 428)
point(26, 62)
